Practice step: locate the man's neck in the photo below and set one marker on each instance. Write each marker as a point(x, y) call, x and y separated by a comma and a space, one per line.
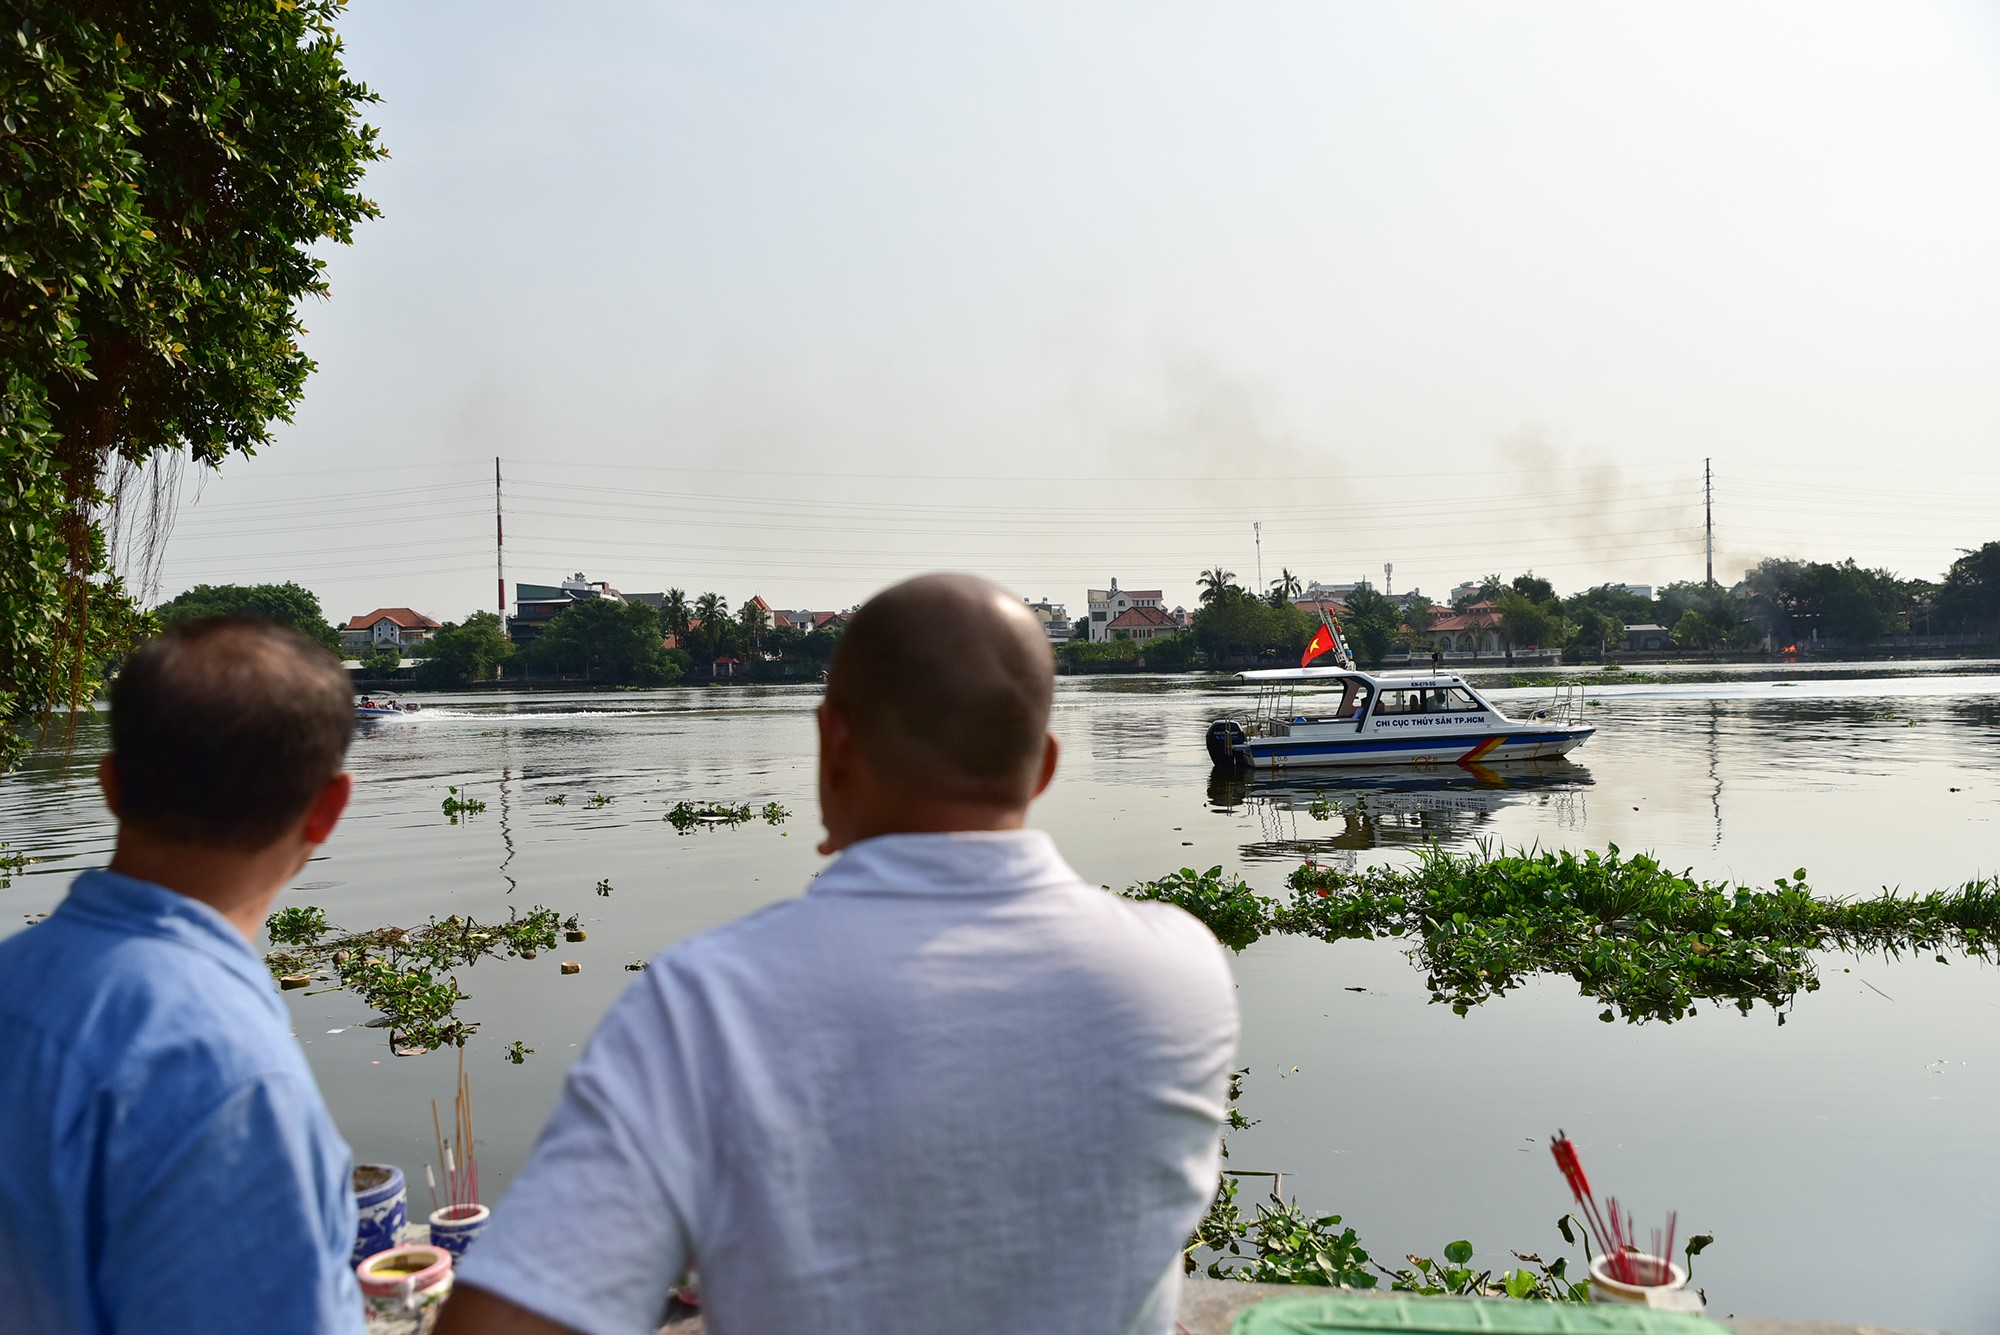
point(237, 884)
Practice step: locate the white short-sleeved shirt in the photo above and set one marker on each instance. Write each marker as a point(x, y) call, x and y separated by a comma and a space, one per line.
point(950, 1088)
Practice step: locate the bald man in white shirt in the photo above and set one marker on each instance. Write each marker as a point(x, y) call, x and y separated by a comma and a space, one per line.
point(950, 1088)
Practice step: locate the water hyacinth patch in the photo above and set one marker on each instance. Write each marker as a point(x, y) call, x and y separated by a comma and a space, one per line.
point(1236, 914)
point(396, 970)
point(687, 817)
point(1644, 941)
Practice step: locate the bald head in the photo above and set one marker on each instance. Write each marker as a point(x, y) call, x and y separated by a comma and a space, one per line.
point(946, 681)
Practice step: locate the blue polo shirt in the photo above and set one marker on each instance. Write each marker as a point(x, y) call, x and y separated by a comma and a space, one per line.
point(166, 1162)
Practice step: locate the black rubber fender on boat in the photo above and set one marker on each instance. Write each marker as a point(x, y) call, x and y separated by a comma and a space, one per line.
point(1224, 736)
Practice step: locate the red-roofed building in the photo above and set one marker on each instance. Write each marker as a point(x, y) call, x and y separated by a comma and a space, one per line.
point(1142, 624)
point(398, 628)
point(1473, 630)
point(1108, 605)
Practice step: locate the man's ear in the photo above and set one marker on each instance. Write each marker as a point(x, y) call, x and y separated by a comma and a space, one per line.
point(1051, 751)
point(324, 813)
point(107, 782)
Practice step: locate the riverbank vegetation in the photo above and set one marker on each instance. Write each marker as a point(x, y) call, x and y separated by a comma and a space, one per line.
point(1283, 1243)
point(1645, 942)
point(1779, 603)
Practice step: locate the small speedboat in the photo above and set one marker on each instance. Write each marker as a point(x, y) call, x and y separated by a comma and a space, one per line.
point(382, 707)
point(1340, 716)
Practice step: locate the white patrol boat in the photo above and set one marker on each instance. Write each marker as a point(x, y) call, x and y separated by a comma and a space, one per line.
point(1403, 718)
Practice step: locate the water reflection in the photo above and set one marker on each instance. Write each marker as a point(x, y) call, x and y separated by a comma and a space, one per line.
point(1336, 811)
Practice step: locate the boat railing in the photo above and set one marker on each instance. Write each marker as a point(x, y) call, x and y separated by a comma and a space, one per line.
point(1567, 707)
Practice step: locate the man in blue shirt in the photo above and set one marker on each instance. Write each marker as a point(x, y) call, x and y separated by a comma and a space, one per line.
point(166, 1162)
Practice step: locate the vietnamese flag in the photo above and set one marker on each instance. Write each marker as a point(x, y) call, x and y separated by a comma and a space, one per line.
point(1321, 643)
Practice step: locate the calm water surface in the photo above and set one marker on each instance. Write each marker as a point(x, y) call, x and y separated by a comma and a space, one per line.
point(1846, 1160)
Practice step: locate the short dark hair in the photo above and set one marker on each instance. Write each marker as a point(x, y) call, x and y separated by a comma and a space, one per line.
point(947, 681)
point(224, 730)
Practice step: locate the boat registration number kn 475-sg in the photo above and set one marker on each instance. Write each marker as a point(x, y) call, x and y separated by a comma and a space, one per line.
point(1338, 716)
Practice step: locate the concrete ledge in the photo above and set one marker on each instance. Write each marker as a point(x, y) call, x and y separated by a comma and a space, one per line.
point(1210, 1307)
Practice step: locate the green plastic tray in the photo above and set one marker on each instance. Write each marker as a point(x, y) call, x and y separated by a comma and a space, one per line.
point(1334, 1315)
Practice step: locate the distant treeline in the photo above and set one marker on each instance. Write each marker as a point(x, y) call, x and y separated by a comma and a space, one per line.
point(1779, 602)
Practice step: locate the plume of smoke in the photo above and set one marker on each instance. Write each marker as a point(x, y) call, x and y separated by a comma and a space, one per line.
point(1589, 504)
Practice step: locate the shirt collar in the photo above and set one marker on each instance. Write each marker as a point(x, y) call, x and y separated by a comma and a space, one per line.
point(965, 861)
point(125, 904)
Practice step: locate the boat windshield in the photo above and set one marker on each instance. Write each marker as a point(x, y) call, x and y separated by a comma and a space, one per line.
point(1432, 700)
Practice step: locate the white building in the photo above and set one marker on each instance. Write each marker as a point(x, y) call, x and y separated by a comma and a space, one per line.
point(1107, 605)
point(1636, 590)
point(1054, 618)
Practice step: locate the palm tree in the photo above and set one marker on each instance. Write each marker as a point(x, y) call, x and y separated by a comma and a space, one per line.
point(1216, 584)
point(675, 615)
point(1285, 588)
point(712, 612)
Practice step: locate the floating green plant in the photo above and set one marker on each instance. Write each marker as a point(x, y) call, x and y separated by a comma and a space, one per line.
point(686, 817)
point(518, 1052)
point(1283, 1243)
point(396, 970)
point(299, 925)
point(598, 800)
point(604, 887)
point(456, 806)
point(557, 800)
point(1645, 942)
point(775, 813)
point(12, 864)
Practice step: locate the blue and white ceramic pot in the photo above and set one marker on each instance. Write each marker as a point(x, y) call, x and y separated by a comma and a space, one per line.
point(455, 1226)
point(383, 1203)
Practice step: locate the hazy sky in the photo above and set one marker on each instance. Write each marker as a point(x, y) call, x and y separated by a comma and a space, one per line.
point(797, 299)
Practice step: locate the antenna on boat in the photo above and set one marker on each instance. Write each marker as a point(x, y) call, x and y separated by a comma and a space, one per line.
point(499, 543)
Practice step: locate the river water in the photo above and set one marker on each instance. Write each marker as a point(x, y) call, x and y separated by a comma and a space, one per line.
point(1845, 1160)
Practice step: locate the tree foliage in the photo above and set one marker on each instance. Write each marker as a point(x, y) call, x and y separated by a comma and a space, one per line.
point(1371, 622)
point(1970, 597)
point(287, 604)
point(169, 169)
point(607, 640)
point(465, 651)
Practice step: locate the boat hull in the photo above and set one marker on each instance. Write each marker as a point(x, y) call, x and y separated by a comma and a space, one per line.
point(1493, 747)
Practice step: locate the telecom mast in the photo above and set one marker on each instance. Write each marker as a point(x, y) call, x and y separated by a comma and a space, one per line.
point(499, 542)
point(1258, 529)
point(1388, 578)
point(1708, 515)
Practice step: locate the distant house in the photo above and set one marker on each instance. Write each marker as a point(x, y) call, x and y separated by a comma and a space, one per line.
point(1054, 618)
point(1476, 630)
point(1107, 605)
point(1321, 607)
point(398, 628)
point(1647, 639)
point(536, 605)
point(725, 666)
point(1141, 623)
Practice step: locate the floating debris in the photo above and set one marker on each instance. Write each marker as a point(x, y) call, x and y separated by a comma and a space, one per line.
point(571, 966)
point(686, 817)
point(455, 806)
point(395, 969)
point(12, 864)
